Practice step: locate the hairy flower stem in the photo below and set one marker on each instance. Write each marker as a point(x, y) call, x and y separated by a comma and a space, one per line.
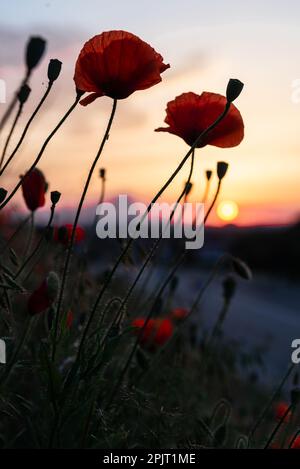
point(72, 237)
point(270, 402)
point(27, 127)
point(161, 290)
point(36, 161)
point(294, 439)
point(128, 245)
point(14, 101)
point(11, 133)
point(193, 308)
point(30, 235)
point(14, 358)
point(35, 250)
point(277, 427)
point(156, 244)
point(15, 233)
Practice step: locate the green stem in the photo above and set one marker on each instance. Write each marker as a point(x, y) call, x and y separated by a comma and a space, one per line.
point(270, 402)
point(11, 133)
point(27, 127)
point(277, 427)
point(35, 250)
point(70, 246)
point(36, 161)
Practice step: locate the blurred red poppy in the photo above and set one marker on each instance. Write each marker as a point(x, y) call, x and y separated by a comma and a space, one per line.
point(34, 187)
point(179, 313)
point(156, 333)
point(296, 443)
point(43, 297)
point(69, 319)
point(116, 64)
point(63, 234)
point(190, 114)
point(280, 410)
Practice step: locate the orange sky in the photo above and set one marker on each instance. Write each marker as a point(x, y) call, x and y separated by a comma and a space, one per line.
point(264, 171)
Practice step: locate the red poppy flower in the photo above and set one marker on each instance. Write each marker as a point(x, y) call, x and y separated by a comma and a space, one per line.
point(156, 333)
point(179, 313)
point(43, 297)
point(280, 410)
point(63, 234)
point(34, 187)
point(189, 115)
point(116, 64)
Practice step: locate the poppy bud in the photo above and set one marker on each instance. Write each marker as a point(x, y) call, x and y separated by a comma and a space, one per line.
point(23, 94)
point(234, 89)
point(208, 174)
point(241, 268)
point(221, 169)
point(3, 194)
point(188, 188)
point(102, 173)
point(229, 286)
point(55, 196)
point(34, 188)
point(34, 51)
point(52, 285)
point(54, 69)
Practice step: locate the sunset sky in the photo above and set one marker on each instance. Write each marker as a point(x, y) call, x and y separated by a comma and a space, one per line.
point(206, 43)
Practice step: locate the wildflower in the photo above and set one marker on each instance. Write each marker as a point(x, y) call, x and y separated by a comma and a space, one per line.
point(63, 234)
point(43, 297)
point(178, 314)
point(280, 409)
point(34, 187)
point(156, 333)
point(116, 64)
point(189, 114)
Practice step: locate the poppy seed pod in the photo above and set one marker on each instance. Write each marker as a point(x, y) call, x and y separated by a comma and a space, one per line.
point(52, 285)
point(188, 188)
point(23, 93)
point(3, 194)
point(54, 69)
point(234, 89)
point(102, 173)
point(34, 51)
point(208, 174)
point(221, 169)
point(55, 196)
point(241, 268)
point(34, 188)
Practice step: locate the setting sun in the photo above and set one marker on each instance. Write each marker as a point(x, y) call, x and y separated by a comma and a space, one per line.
point(227, 210)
